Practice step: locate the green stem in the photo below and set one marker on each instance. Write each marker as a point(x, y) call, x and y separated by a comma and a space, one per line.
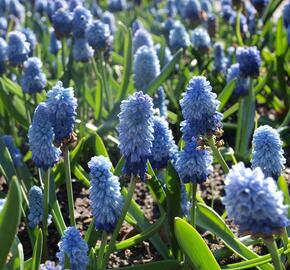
point(27, 108)
point(193, 206)
point(63, 54)
point(69, 186)
point(120, 221)
point(45, 214)
point(98, 75)
point(272, 248)
point(285, 242)
point(102, 250)
point(103, 74)
point(217, 154)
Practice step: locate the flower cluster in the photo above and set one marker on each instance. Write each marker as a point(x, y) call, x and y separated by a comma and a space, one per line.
point(62, 111)
point(75, 248)
point(163, 147)
point(254, 202)
point(136, 133)
point(268, 152)
point(33, 80)
point(146, 67)
point(106, 199)
point(35, 198)
point(62, 23)
point(199, 109)
point(220, 61)
point(141, 37)
point(193, 164)
point(200, 39)
point(3, 55)
point(178, 37)
point(160, 102)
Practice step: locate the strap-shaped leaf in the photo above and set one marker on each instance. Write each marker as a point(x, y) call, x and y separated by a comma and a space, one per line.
point(37, 251)
point(194, 246)
point(9, 220)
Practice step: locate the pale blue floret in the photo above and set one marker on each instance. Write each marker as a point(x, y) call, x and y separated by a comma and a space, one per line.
point(146, 67)
point(167, 25)
point(109, 19)
point(185, 204)
point(242, 83)
point(14, 7)
point(75, 248)
point(31, 39)
point(82, 51)
point(260, 5)
point(178, 37)
point(164, 147)
point(62, 23)
point(117, 5)
point(167, 54)
point(35, 198)
point(192, 10)
point(13, 150)
point(49, 265)
point(136, 133)
point(72, 4)
point(105, 196)
point(254, 202)
point(249, 60)
point(206, 6)
point(200, 39)
point(33, 79)
point(171, 9)
point(220, 61)
point(142, 37)
point(62, 111)
point(2, 202)
point(160, 102)
point(81, 18)
point(98, 35)
point(268, 152)
point(41, 136)
point(18, 48)
point(193, 164)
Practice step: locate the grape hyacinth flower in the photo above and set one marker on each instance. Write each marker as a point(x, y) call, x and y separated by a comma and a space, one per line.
point(31, 39)
point(146, 67)
point(230, 51)
point(54, 44)
point(171, 9)
point(136, 25)
point(254, 202)
point(35, 198)
point(268, 152)
point(160, 102)
point(163, 147)
point(249, 60)
point(105, 196)
point(178, 37)
point(200, 39)
point(117, 5)
point(109, 19)
point(142, 37)
point(62, 111)
point(243, 22)
point(220, 61)
point(167, 25)
point(18, 48)
point(81, 18)
point(62, 23)
point(136, 133)
point(185, 204)
point(242, 83)
point(3, 55)
point(98, 35)
point(193, 164)
point(199, 108)
point(212, 25)
point(260, 5)
point(82, 51)
point(73, 4)
point(53, 6)
point(206, 6)
point(96, 10)
point(41, 136)
point(13, 150)
point(192, 11)
point(49, 265)
point(15, 8)
point(75, 248)
point(40, 6)
point(33, 79)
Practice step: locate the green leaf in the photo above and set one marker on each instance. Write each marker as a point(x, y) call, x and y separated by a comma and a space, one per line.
point(37, 251)
point(164, 74)
point(209, 220)
point(12, 87)
point(238, 28)
point(17, 112)
point(16, 262)
point(162, 265)
point(173, 199)
point(231, 110)
point(100, 146)
point(194, 246)
point(279, 38)
point(128, 56)
point(225, 95)
point(9, 219)
point(6, 163)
